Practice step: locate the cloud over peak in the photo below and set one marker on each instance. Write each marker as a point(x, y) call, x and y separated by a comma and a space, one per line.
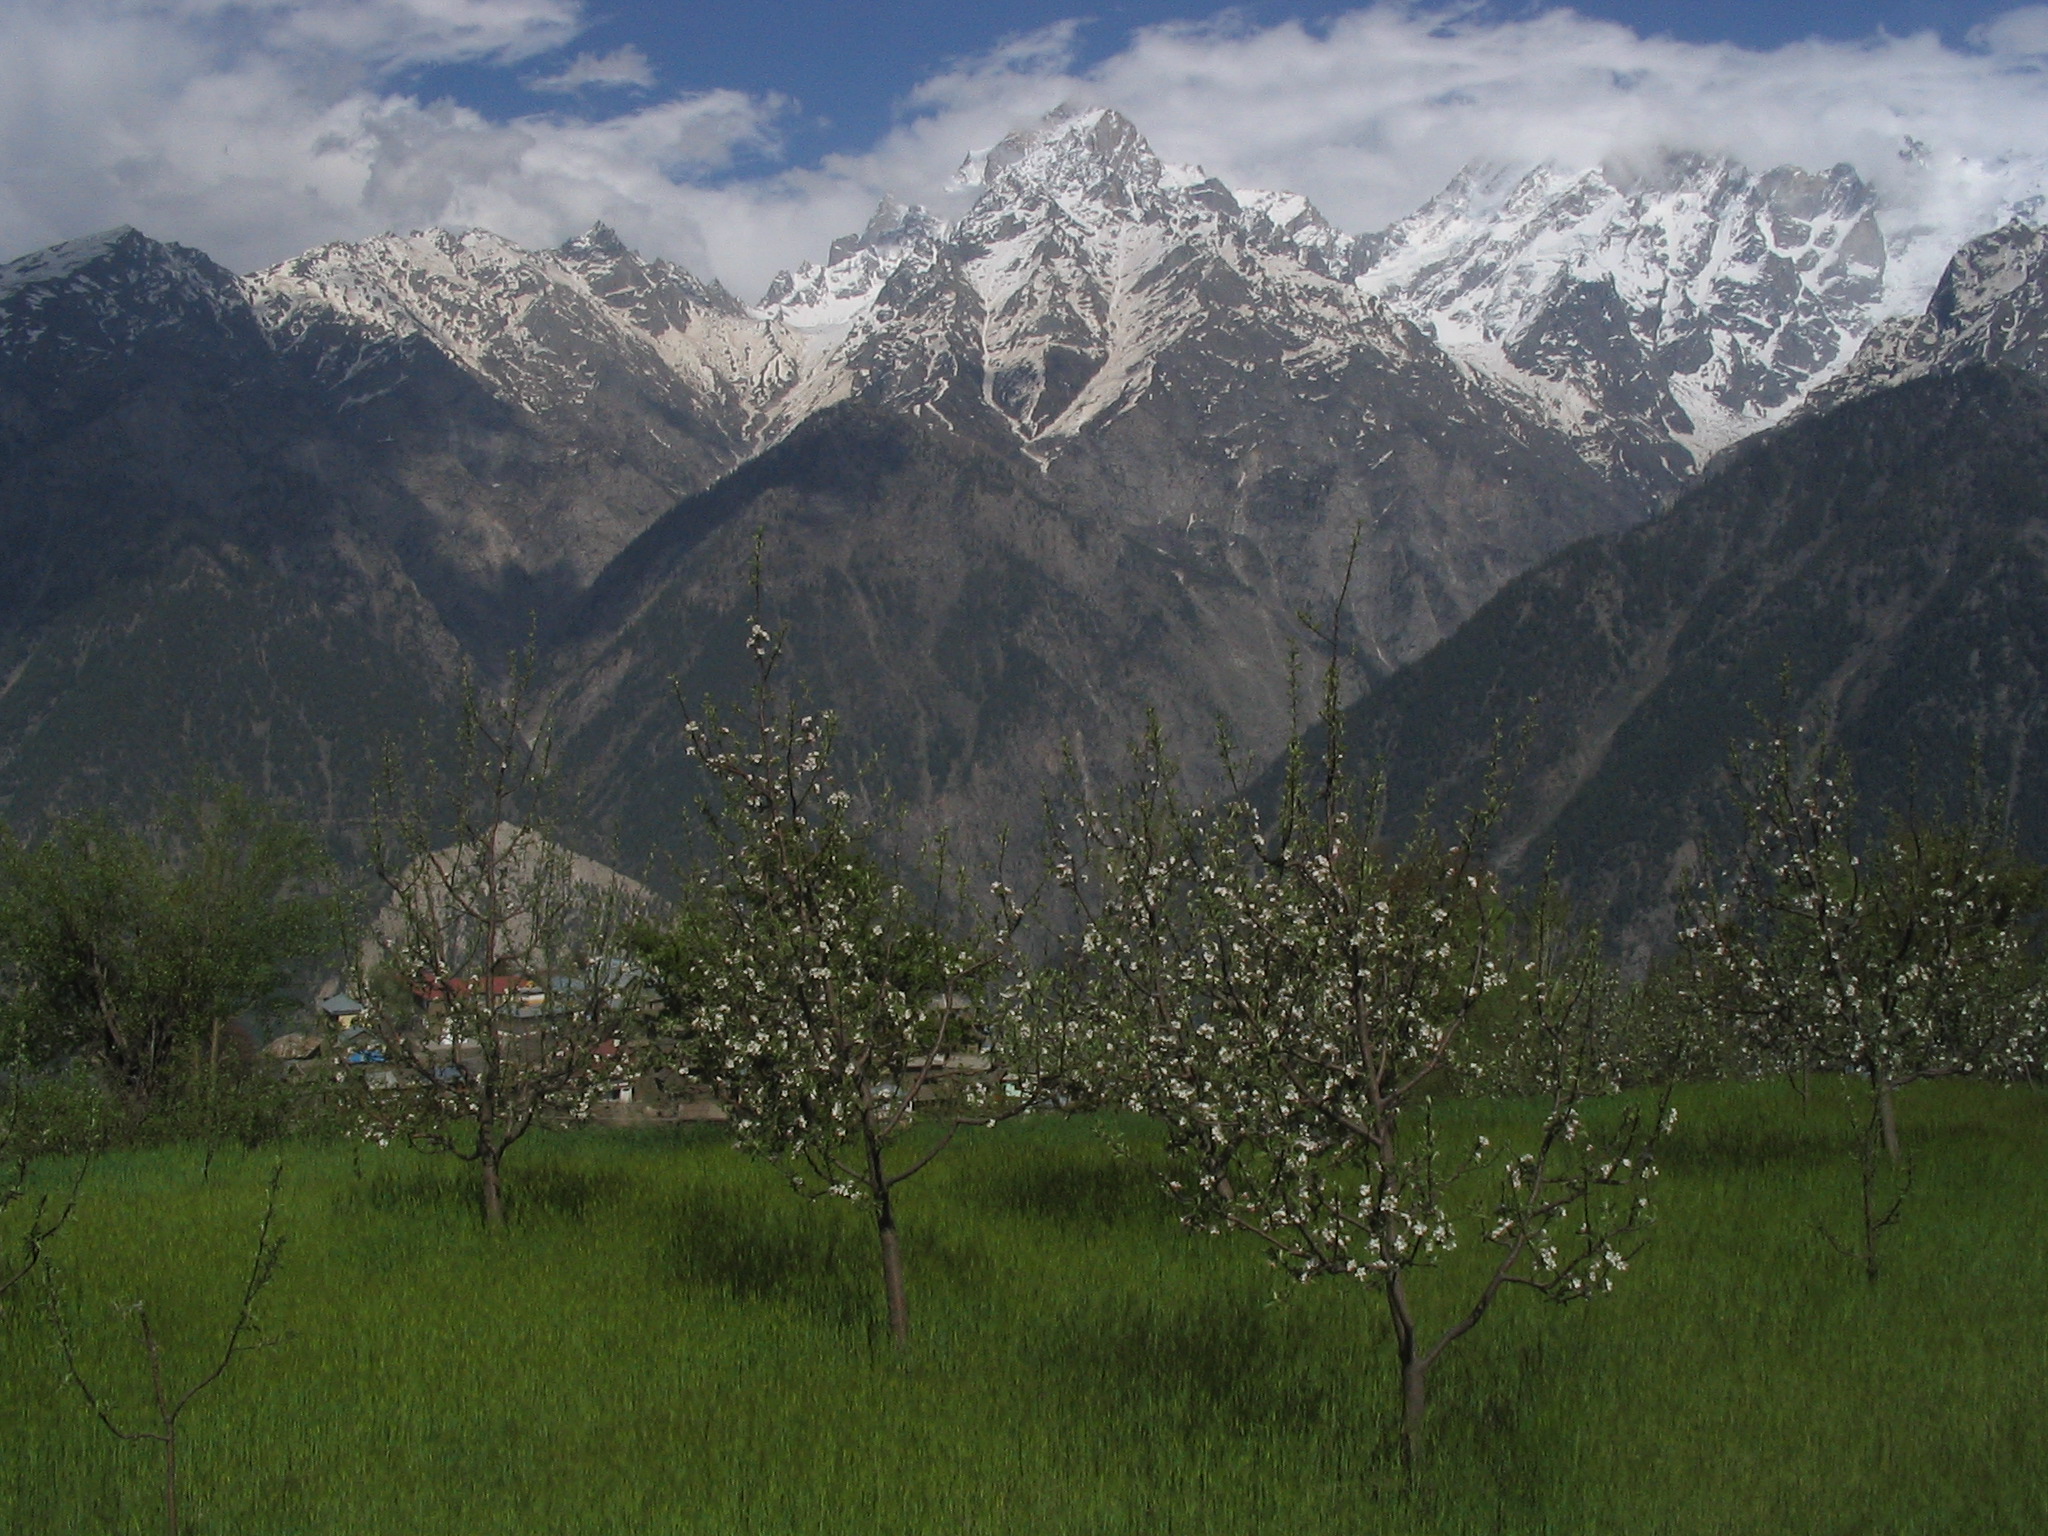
point(255, 130)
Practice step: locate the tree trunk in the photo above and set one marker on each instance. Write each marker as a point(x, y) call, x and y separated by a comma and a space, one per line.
point(1414, 1405)
point(1414, 1376)
point(892, 1271)
point(1873, 1223)
point(171, 1480)
point(212, 1100)
point(1887, 1115)
point(493, 1192)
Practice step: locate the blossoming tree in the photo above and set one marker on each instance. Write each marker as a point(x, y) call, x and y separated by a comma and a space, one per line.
point(1291, 998)
point(1887, 960)
point(825, 998)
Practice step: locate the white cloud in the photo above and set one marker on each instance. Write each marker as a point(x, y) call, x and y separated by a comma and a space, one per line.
point(1373, 111)
point(622, 66)
point(254, 130)
point(2024, 31)
point(380, 34)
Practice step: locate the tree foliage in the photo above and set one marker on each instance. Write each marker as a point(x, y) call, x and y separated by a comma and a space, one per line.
point(1885, 959)
point(137, 948)
point(1908, 955)
point(1291, 997)
point(822, 992)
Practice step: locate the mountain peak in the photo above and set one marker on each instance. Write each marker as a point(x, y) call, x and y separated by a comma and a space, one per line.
point(57, 262)
point(110, 288)
point(1991, 306)
point(1987, 271)
point(893, 226)
point(823, 299)
point(600, 240)
point(1095, 155)
point(1680, 292)
point(888, 217)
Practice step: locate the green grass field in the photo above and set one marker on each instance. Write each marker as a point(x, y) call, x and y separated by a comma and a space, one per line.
point(668, 1340)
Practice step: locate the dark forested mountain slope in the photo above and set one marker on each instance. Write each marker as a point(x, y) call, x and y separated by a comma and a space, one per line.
point(200, 572)
point(1881, 569)
point(963, 619)
point(537, 409)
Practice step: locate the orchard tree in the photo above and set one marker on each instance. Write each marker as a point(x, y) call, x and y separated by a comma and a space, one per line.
point(1290, 999)
point(822, 992)
point(1888, 960)
point(497, 983)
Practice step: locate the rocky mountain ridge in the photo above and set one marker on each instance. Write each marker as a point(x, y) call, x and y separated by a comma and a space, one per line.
point(1088, 449)
point(535, 325)
point(1091, 279)
point(1654, 314)
point(1991, 306)
point(1660, 313)
point(1085, 259)
point(100, 294)
point(1874, 570)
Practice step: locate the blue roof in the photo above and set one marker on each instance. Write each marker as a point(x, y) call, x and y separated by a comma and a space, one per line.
point(339, 1004)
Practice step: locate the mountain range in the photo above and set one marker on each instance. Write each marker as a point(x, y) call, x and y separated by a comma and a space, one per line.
point(1874, 572)
point(1015, 478)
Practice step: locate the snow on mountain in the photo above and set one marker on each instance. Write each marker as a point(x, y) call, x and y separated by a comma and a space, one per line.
point(1083, 260)
point(698, 330)
point(543, 407)
point(105, 291)
point(1991, 306)
point(821, 301)
point(542, 329)
point(54, 265)
point(1690, 301)
point(1653, 313)
point(1288, 222)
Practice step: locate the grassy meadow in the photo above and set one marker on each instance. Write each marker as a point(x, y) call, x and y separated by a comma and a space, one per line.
point(668, 1340)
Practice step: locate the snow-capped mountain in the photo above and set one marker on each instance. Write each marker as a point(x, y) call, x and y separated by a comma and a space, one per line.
point(610, 384)
point(821, 301)
point(101, 295)
point(1991, 306)
point(1090, 448)
point(208, 569)
point(544, 330)
point(1655, 315)
point(1084, 260)
point(1652, 315)
point(1660, 314)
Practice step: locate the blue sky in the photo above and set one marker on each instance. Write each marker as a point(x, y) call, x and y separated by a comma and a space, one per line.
point(847, 64)
point(741, 139)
